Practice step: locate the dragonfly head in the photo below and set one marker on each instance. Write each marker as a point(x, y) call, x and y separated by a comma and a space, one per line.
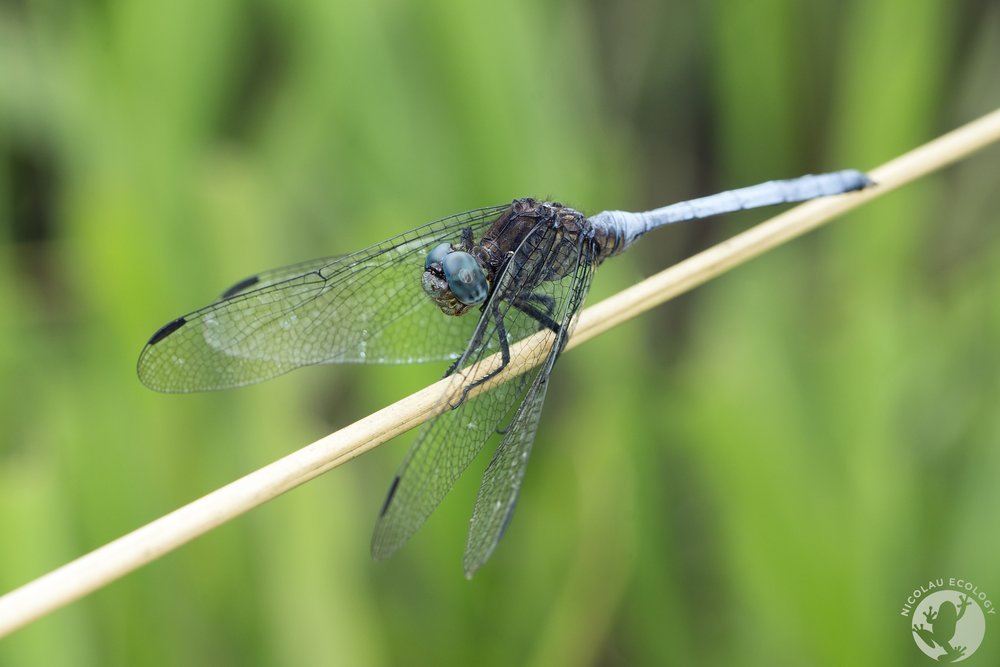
point(454, 280)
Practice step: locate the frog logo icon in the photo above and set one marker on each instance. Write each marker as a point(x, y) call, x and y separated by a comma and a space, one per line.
point(948, 625)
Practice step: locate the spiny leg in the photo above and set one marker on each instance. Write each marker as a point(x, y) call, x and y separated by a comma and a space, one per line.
point(543, 319)
point(468, 241)
point(547, 301)
point(477, 339)
point(544, 322)
point(501, 334)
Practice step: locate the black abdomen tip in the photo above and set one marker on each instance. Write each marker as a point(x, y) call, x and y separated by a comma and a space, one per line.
point(166, 330)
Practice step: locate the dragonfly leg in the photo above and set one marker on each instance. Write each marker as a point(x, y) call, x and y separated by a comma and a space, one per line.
point(543, 319)
point(547, 301)
point(468, 240)
point(476, 341)
point(501, 333)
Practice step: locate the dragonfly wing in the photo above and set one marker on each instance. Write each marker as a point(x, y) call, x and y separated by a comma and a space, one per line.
point(365, 307)
point(274, 276)
point(446, 445)
point(502, 480)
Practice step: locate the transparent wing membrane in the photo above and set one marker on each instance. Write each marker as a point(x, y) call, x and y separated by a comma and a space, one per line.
point(366, 307)
point(503, 476)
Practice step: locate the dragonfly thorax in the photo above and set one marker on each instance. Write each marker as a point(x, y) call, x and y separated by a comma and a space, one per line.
point(454, 279)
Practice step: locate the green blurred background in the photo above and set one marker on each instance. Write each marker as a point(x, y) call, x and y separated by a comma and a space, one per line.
point(759, 472)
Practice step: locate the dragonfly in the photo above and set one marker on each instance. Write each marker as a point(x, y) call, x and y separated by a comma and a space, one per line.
point(459, 290)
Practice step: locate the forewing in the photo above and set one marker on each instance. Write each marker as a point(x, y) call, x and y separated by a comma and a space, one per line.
point(446, 445)
point(365, 307)
point(268, 278)
point(502, 479)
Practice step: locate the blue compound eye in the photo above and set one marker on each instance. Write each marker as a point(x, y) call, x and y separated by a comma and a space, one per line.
point(437, 255)
point(465, 277)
